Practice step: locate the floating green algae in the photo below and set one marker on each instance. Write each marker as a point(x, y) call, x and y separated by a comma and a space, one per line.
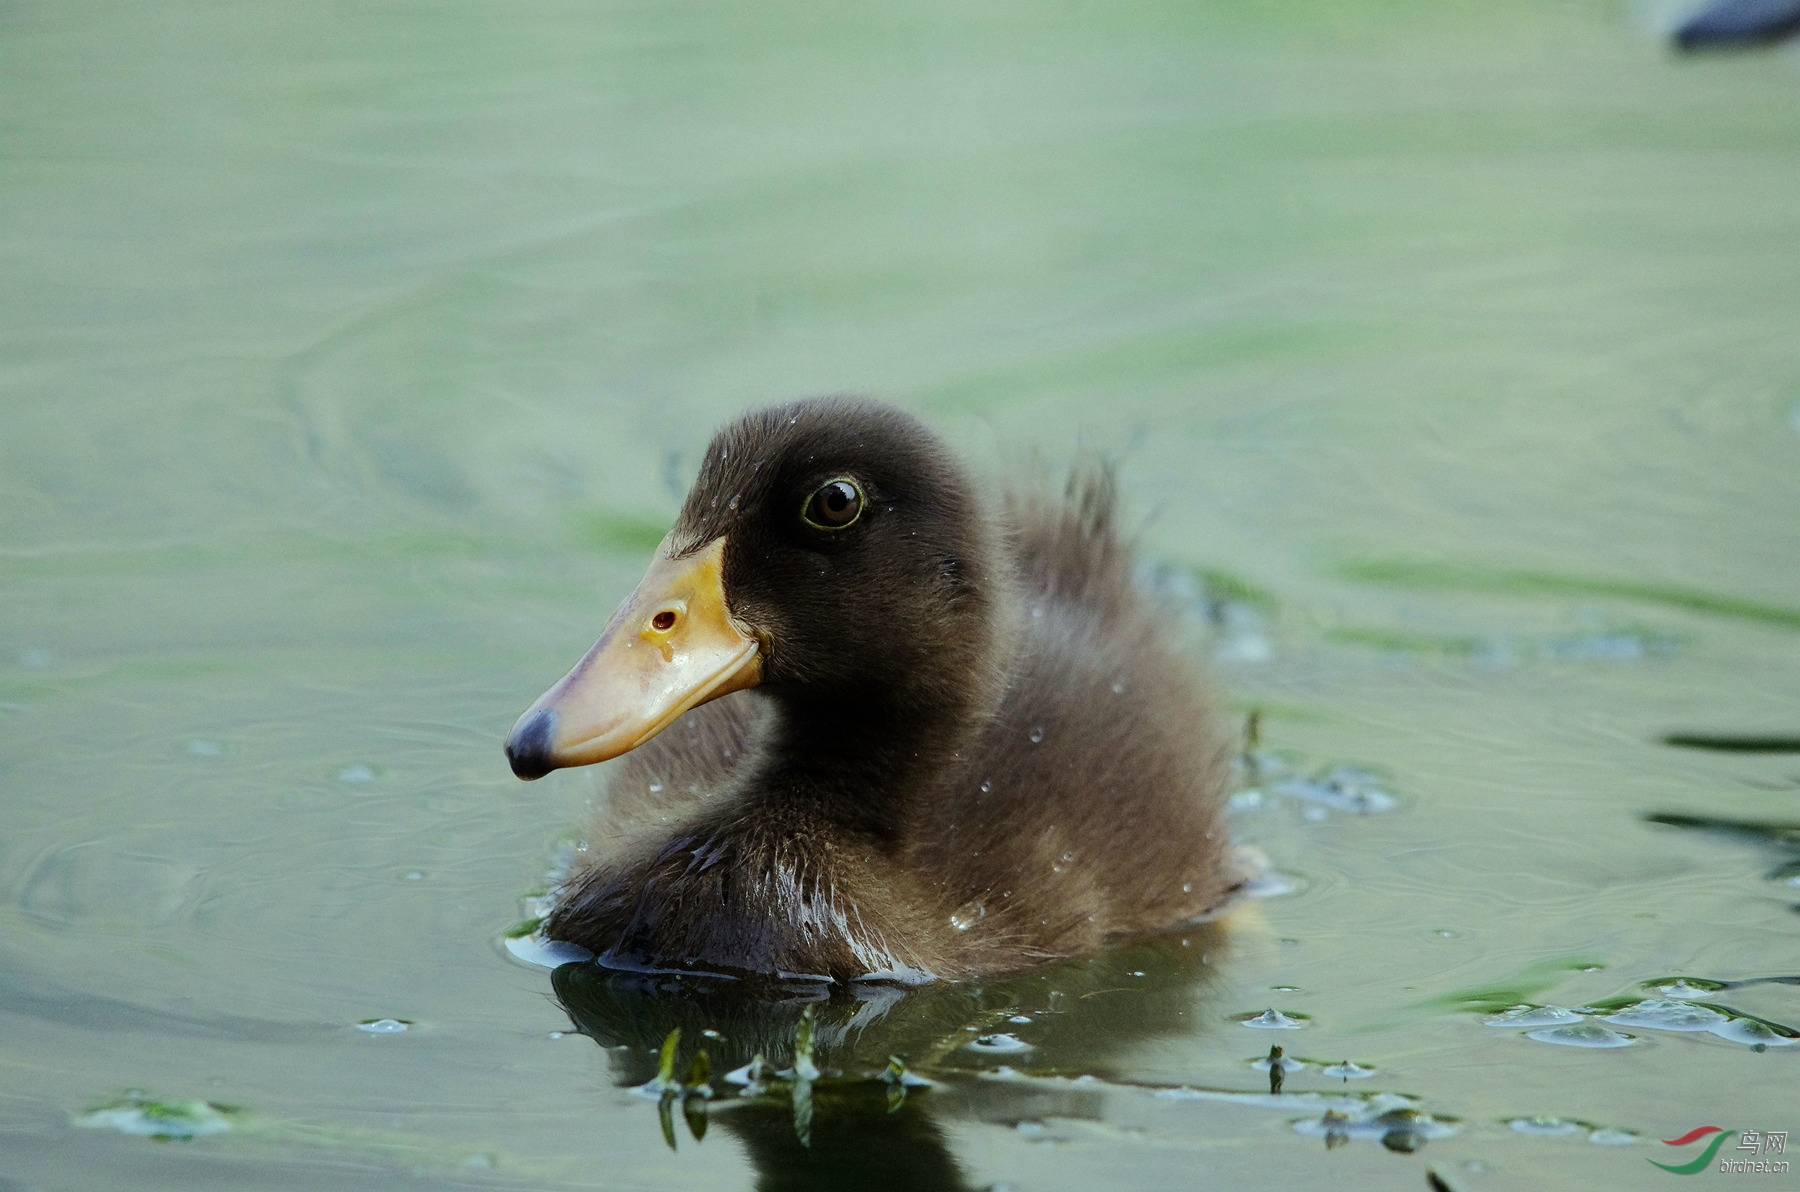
point(1503, 581)
point(1520, 989)
point(164, 1121)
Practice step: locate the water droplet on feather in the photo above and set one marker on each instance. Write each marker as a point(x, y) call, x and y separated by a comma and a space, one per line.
point(967, 915)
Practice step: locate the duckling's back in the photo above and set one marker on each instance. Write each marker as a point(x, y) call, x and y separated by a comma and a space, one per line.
point(1091, 805)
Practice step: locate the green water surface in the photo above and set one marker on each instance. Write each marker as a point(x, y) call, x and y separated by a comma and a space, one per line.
point(352, 357)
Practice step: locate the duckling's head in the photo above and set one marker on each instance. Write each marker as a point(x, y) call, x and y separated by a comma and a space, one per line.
point(830, 552)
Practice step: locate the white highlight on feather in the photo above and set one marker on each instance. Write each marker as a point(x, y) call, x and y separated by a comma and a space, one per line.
point(817, 912)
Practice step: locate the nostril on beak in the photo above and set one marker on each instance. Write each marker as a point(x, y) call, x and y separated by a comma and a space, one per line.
point(528, 749)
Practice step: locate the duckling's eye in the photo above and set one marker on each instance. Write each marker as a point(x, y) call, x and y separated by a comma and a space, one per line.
point(836, 505)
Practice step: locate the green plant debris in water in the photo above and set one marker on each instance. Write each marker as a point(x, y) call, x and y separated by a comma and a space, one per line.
point(1224, 586)
point(523, 928)
point(1464, 577)
point(1784, 835)
point(698, 1081)
point(1734, 742)
point(694, 1113)
point(1397, 642)
point(161, 1120)
point(803, 1111)
point(178, 1120)
point(804, 1068)
point(1520, 989)
point(665, 1061)
point(899, 1078)
point(1609, 643)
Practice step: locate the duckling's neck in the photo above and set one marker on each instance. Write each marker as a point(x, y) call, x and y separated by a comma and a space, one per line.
point(865, 758)
point(859, 765)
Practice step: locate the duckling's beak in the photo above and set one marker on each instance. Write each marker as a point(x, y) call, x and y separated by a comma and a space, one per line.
point(671, 646)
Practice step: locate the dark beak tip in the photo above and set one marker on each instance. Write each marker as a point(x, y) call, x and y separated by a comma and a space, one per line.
point(528, 748)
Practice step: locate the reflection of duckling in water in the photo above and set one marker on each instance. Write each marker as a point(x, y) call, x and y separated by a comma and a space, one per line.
point(1083, 1015)
point(972, 747)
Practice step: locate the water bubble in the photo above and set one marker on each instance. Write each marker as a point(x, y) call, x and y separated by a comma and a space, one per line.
point(1752, 1032)
point(1669, 1016)
point(1588, 1034)
point(1019, 1019)
point(1348, 1070)
point(1287, 1063)
point(1037, 733)
point(1545, 1127)
point(1535, 1016)
point(967, 915)
point(997, 1044)
point(755, 1073)
point(1270, 884)
point(1244, 800)
point(200, 748)
point(1273, 1020)
point(382, 1026)
point(1342, 788)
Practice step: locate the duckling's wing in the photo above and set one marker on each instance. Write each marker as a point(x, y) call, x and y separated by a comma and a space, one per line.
point(1091, 804)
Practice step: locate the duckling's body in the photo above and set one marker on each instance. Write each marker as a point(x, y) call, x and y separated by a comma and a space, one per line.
point(973, 746)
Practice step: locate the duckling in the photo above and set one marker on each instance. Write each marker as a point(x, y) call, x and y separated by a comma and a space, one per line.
point(880, 725)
